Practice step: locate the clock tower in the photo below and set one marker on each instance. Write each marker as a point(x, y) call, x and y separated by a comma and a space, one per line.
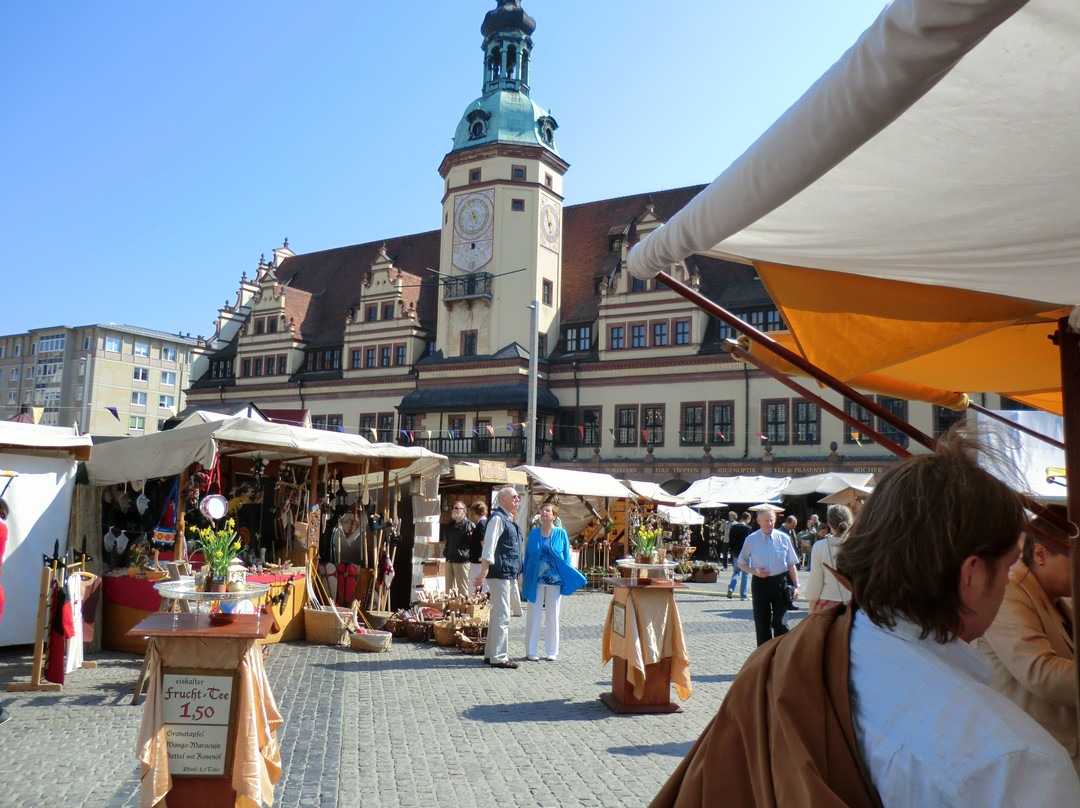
point(501, 243)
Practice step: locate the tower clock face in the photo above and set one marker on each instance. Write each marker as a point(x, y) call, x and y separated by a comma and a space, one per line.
point(550, 225)
point(474, 227)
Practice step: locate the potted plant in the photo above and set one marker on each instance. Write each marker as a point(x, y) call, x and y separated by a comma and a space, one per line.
point(218, 548)
point(646, 544)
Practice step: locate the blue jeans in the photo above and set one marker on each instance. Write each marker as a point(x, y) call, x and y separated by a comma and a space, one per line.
point(743, 577)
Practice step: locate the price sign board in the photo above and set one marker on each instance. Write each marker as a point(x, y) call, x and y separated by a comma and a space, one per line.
point(199, 709)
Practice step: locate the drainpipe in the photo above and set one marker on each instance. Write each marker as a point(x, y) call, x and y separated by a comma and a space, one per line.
point(577, 402)
point(300, 392)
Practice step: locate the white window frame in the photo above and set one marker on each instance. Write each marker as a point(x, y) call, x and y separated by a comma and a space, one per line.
point(138, 398)
point(168, 378)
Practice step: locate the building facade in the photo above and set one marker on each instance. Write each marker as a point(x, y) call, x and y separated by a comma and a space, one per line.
point(111, 380)
point(425, 339)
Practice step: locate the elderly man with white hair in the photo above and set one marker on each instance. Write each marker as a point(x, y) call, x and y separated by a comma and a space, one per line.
point(500, 564)
point(769, 556)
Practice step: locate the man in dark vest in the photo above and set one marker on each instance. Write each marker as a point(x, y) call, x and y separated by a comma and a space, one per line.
point(500, 564)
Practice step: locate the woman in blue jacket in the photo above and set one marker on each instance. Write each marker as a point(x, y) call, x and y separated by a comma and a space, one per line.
point(547, 576)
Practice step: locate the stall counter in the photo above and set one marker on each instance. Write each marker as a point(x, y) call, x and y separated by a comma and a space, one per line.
point(128, 601)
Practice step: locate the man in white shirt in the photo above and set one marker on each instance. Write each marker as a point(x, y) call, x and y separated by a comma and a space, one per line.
point(769, 556)
point(928, 559)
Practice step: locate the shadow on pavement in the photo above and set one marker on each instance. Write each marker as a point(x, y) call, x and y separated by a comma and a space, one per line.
point(672, 749)
point(546, 711)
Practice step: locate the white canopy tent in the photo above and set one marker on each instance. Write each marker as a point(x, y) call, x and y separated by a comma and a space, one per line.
point(40, 464)
point(719, 492)
point(654, 492)
point(581, 495)
point(680, 515)
point(1003, 116)
point(828, 483)
point(163, 454)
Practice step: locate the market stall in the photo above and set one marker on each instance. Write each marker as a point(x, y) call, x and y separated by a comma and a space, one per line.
point(305, 487)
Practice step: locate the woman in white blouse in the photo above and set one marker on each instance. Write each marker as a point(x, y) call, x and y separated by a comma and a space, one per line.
point(824, 590)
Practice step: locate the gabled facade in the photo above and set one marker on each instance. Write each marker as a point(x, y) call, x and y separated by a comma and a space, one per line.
point(425, 338)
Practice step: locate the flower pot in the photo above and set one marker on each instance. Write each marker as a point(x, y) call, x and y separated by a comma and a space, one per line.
point(215, 583)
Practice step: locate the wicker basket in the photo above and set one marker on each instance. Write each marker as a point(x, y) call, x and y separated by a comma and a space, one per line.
point(445, 632)
point(468, 645)
point(378, 620)
point(373, 641)
point(416, 631)
point(396, 626)
point(325, 627)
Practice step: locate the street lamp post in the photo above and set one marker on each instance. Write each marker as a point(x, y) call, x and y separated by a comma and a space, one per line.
point(534, 367)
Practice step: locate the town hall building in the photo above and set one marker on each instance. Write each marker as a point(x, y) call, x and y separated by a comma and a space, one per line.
point(425, 339)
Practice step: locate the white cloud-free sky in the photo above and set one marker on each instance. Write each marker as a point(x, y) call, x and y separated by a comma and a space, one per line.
point(152, 151)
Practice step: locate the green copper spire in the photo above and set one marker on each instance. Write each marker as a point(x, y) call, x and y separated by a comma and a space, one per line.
point(505, 113)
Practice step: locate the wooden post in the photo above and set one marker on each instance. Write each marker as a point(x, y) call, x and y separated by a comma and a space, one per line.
point(1068, 342)
point(39, 640)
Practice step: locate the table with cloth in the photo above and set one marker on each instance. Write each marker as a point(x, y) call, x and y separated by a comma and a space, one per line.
point(195, 643)
point(131, 600)
point(650, 653)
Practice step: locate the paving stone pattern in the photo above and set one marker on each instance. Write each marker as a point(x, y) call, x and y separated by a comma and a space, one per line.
point(419, 725)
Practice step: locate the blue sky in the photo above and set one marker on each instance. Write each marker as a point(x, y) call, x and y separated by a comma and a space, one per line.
point(152, 151)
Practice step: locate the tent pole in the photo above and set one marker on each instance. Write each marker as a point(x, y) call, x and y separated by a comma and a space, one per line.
point(795, 359)
point(1012, 424)
point(731, 347)
point(1068, 342)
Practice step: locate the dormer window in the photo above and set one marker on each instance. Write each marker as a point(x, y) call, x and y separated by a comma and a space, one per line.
point(546, 126)
point(477, 121)
point(616, 244)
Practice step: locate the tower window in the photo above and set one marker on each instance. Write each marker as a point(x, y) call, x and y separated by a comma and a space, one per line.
point(547, 292)
point(517, 172)
point(474, 175)
point(549, 181)
point(468, 343)
point(517, 205)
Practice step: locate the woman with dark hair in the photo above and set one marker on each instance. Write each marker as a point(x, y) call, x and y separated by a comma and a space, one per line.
point(823, 589)
point(479, 512)
point(1030, 642)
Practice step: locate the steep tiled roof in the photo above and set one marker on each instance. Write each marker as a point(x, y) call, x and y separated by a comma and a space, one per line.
point(585, 235)
point(332, 282)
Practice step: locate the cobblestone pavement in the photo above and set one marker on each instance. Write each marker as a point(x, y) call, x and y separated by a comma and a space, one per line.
point(417, 726)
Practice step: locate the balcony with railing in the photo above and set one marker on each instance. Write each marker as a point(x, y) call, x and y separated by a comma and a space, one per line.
point(467, 287)
point(507, 447)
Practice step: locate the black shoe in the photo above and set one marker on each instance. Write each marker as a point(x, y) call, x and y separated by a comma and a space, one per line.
point(487, 661)
point(509, 663)
point(729, 594)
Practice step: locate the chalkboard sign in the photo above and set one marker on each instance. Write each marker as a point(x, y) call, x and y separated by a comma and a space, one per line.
point(199, 709)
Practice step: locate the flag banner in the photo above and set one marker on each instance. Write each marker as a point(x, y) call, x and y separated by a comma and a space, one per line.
point(115, 414)
point(762, 436)
point(645, 436)
point(490, 430)
point(510, 427)
point(720, 435)
point(551, 430)
point(581, 429)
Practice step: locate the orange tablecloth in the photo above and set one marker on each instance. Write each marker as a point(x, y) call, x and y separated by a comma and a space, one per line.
point(653, 632)
point(256, 755)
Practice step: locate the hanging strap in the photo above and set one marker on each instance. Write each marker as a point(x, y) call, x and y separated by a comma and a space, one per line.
point(174, 494)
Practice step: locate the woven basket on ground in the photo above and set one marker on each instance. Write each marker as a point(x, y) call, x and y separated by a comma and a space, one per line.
point(374, 641)
point(378, 620)
point(324, 627)
point(445, 632)
point(417, 631)
point(396, 626)
point(470, 645)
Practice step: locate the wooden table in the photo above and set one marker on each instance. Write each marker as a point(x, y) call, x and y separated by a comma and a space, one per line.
point(210, 720)
point(643, 635)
